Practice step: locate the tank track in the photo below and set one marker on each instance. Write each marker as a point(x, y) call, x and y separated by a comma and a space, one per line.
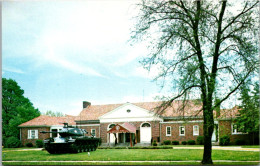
point(80, 145)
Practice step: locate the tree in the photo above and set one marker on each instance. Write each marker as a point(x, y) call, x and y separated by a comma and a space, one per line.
point(202, 47)
point(55, 114)
point(248, 119)
point(16, 108)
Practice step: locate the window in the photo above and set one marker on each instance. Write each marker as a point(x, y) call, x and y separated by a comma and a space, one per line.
point(236, 129)
point(128, 110)
point(146, 125)
point(93, 132)
point(32, 134)
point(182, 130)
point(168, 131)
point(54, 134)
point(195, 130)
point(111, 126)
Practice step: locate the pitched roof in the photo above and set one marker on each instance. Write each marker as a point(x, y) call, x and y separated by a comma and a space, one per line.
point(229, 113)
point(93, 112)
point(131, 128)
point(123, 128)
point(44, 120)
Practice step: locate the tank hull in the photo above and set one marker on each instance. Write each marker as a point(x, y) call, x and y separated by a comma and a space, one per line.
point(77, 146)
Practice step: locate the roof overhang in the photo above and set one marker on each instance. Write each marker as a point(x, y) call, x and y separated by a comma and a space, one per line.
point(87, 121)
point(36, 126)
point(182, 117)
point(124, 128)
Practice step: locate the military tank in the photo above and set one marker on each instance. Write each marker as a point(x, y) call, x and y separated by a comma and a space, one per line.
point(70, 140)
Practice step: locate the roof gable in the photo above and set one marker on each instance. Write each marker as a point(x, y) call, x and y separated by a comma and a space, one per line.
point(128, 112)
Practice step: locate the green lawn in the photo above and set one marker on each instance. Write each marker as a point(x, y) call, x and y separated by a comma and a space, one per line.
point(129, 163)
point(130, 155)
point(250, 146)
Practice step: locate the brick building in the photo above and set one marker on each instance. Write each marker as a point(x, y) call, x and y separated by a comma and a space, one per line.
point(173, 124)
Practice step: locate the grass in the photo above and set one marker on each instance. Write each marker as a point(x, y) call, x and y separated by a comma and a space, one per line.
point(131, 155)
point(250, 146)
point(128, 163)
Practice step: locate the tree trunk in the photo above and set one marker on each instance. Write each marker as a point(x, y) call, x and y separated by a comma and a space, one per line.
point(208, 128)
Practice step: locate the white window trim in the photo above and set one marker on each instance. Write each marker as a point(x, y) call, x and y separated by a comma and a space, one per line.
point(180, 130)
point(30, 134)
point(194, 130)
point(235, 133)
point(92, 132)
point(170, 131)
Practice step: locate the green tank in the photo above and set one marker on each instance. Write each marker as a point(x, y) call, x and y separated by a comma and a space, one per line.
point(70, 140)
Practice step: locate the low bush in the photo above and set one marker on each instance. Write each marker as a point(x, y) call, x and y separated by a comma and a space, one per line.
point(12, 142)
point(175, 142)
point(191, 142)
point(167, 142)
point(138, 147)
point(183, 142)
point(224, 140)
point(154, 143)
point(39, 143)
point(240, 142)
point(200, 140)
point(29, 144)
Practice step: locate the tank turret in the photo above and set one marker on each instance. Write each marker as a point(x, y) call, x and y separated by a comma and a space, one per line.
point(70, 140)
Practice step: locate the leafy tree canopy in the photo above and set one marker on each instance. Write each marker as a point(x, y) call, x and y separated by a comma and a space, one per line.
point(248, 119)
point(202, 48)
point(16, 108)
point(55, 114)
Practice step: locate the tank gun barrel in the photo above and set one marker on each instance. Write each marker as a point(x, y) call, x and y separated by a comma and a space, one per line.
point(44, 132)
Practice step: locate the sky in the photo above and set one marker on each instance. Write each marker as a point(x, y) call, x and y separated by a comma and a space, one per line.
point(64, 52)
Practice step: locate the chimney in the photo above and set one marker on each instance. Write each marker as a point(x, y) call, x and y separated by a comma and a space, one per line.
point(86, 104)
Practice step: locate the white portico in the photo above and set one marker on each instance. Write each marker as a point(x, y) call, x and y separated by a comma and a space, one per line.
point(132, 114)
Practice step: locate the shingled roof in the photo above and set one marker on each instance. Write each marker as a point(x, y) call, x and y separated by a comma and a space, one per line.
point(44, 120)
point(229, 113)
point(93, 112)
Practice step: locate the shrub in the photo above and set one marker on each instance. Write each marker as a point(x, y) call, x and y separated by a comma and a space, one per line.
point(29, 144)
point(167, 142)
point(200, 140)
point(99, 142)
point(183, 142)
point(225, 140)
point(39, 143)
point(191, 142)
point(175, 142)
point(240, 142)
point(138, 147)
point(154, 143)
point(13, 142)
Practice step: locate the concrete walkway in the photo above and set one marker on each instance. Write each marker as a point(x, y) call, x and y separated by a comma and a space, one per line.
point(24, 149)
point(236, 148)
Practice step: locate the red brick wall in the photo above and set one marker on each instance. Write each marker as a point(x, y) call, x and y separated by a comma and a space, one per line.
point(175, 135)
point(225, 129)
point(41, 136)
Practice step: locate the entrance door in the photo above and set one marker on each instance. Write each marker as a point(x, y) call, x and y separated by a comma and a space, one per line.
point(138, 136)
point(145, 133)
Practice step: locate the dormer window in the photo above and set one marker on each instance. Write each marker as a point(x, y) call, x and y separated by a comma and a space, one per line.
point(128, 110)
